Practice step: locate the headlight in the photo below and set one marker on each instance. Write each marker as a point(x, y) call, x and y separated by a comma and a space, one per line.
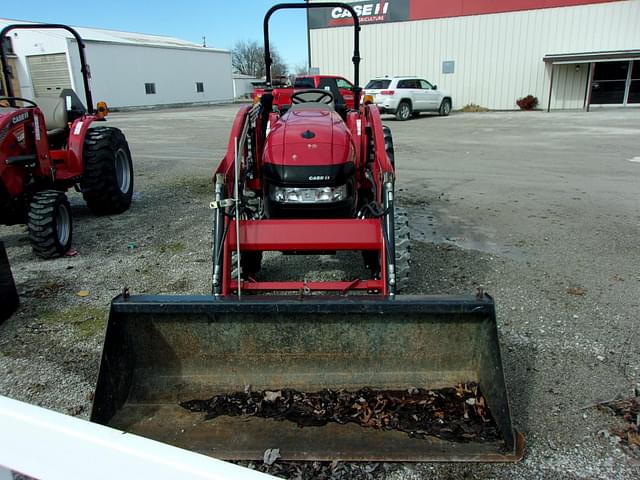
point(308, 195)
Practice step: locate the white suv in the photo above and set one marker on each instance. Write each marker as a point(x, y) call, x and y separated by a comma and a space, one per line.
point(407, 96)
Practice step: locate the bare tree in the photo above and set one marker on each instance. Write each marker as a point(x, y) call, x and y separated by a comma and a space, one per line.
point(301, 69)
point(247, 58)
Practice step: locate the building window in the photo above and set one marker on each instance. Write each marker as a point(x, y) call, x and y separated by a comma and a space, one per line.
point(199, 87)
point(609, 82)
point(448, 66)
point(150, 88)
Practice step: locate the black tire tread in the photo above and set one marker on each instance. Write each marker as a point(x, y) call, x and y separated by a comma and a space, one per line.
point(441, 111)
point(42, 224)
point(398, 116)
point(99, 184)
point(403, 248)
point(388, 144)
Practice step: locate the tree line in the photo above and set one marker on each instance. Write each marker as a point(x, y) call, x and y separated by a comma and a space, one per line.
point(247, 58)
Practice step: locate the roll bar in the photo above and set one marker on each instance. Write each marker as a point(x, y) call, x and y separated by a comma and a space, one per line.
point(49, 26)
point(356, 39)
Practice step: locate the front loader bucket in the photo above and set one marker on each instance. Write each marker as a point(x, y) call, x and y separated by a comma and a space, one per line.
point(163, 350)
point(8, 293)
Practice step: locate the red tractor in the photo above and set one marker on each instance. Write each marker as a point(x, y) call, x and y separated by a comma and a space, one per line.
point(315, 179)
point(48, 145)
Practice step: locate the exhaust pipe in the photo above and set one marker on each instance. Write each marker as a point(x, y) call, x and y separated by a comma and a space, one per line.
point(160, 351)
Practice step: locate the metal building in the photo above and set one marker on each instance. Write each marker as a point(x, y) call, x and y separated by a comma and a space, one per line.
point(127, 69)
point(567, 53)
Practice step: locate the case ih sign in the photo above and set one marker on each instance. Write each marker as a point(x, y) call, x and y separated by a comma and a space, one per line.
point(372, 11)
point(382, 11)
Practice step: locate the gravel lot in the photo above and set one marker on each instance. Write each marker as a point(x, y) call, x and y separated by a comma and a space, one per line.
point(541, 209)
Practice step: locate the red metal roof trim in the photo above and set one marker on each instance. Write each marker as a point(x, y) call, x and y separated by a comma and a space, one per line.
point(429, 9)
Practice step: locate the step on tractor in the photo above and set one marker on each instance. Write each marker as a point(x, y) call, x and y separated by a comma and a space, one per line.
point(315, 179)
point(51, 144)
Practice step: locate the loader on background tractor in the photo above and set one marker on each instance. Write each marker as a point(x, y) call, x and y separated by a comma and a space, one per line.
point(50, 144)
point(313, 180)
point(9, 299)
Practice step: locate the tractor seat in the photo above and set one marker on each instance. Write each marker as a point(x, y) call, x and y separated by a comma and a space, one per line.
point(54, 110)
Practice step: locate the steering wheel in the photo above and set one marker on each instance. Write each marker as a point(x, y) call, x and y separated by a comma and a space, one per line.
point(23, 100)
point(312, 96)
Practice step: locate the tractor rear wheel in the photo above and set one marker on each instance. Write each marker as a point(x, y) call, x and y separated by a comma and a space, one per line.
point(107, 183)
point(403, 249)
point(50, 225)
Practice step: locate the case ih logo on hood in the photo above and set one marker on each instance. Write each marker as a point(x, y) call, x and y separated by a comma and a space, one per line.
point(371, 11)
point(20, 118)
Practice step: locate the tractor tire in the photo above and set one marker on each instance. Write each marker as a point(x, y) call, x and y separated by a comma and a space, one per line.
point(445, 108)
point(107, 182)
point(388, 144)
point(50, 224)
point(403, 249)
point(250, 263)
point(404, 111)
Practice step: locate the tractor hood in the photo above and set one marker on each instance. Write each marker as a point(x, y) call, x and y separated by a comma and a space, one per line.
point(306, 137)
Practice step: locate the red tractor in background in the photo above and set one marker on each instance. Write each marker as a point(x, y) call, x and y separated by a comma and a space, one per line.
point(48, 145)
point(340, 88)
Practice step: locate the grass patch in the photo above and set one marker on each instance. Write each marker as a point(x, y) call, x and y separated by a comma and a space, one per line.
point(171, 247)
point(87, 321)
point(48, 289)
point(196, 186)
point(201, 188)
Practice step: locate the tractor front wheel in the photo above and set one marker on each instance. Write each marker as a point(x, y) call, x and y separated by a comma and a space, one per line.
point(50, 225)
point(250, 263)
point(107, 183)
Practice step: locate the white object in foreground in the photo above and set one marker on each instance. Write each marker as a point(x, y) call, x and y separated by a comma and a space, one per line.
point(49, 445)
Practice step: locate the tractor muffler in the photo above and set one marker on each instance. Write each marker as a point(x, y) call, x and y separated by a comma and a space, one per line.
point(161, 351)
point(8, 294)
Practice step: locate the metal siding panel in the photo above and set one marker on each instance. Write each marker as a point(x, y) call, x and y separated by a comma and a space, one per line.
point(569, 86)
point(498, 57)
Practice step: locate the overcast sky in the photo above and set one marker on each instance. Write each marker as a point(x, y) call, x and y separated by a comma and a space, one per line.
point(223, 23)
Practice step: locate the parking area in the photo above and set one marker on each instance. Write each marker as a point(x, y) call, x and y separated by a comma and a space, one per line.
point(540, 209)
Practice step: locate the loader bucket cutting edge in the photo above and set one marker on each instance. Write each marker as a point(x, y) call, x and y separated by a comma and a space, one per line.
point(9, 299)
point(163, 350)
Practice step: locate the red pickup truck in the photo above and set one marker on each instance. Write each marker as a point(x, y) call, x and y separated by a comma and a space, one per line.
point(341, 88)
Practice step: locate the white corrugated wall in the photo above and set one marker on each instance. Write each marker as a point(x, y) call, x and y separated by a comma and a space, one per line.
point(119, 73)
point(498, 57)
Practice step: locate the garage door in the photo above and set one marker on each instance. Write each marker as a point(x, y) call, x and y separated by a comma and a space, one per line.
point(49, 74)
